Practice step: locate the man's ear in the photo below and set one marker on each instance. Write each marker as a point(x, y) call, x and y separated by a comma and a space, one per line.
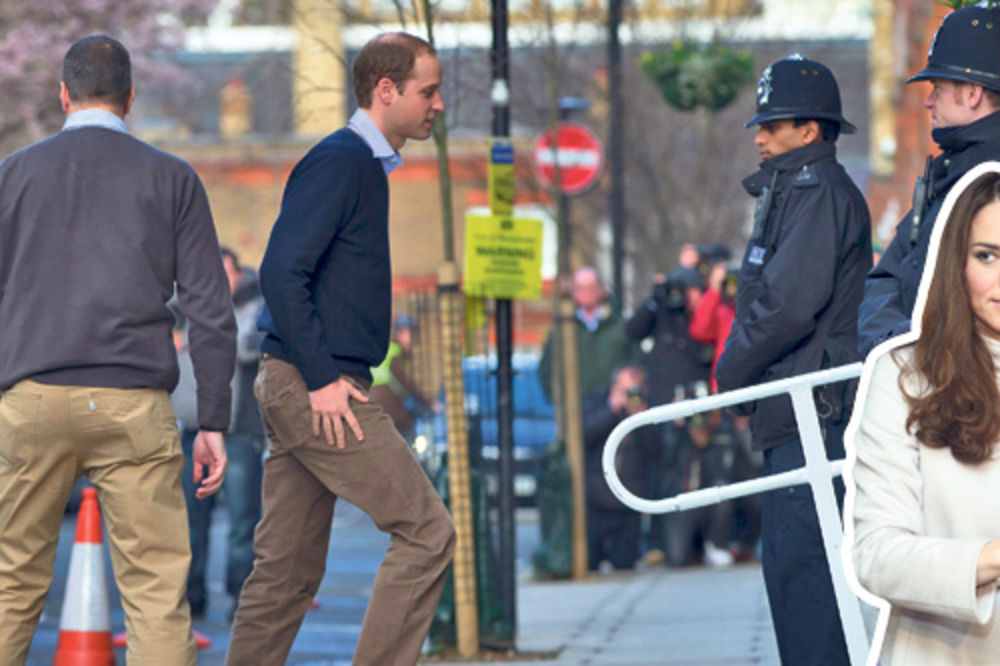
point(64, 96)
point(385, 90)
point(129, 101)
point(811, 133)
point(973, 94)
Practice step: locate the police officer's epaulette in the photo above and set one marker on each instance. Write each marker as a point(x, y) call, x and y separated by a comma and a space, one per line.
point(805, 177)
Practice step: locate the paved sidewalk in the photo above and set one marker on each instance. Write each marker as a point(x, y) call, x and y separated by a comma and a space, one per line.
point(659, 616)
point(655, 617)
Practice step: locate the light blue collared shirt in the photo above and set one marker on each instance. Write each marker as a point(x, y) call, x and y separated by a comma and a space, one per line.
point(362, 123)
point(590, 321)
point(95, 118)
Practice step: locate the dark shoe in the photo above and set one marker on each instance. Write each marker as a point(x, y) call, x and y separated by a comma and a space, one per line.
point(198, 611)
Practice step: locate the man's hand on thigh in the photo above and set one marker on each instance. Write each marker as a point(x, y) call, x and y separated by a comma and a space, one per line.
point(331, 406)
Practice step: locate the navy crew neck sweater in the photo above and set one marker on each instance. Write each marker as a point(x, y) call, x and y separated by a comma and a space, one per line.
point(325, 275)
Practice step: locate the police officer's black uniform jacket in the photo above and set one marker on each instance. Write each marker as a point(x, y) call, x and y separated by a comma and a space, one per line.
point(800, 283)
point(891, 287)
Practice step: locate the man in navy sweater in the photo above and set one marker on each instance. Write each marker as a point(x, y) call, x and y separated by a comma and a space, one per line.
point(327, 286)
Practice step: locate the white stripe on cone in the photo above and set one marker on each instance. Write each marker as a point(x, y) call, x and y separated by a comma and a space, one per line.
point(85, 607)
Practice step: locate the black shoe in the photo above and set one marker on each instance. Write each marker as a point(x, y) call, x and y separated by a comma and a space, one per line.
point(197, 610)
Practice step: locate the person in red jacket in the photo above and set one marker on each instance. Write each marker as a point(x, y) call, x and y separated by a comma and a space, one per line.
point(713, 316)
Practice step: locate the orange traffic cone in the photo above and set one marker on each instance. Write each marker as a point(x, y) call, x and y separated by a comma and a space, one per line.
point(85, 624)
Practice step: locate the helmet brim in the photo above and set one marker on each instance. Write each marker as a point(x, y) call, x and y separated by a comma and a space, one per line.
point(931, 72)
point(768, 116)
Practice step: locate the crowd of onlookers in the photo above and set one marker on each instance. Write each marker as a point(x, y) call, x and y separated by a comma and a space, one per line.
point(665, 351)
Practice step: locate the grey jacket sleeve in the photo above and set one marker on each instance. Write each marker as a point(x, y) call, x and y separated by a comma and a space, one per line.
point(204, 298)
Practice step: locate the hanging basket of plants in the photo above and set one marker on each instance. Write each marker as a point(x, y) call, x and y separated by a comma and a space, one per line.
point(691, 76)
point(960, 4)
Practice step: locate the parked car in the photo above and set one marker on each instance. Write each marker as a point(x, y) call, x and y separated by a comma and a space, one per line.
point(534, 424)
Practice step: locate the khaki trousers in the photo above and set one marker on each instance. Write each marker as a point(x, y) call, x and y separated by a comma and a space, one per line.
point(126, 441)
point(303, 477)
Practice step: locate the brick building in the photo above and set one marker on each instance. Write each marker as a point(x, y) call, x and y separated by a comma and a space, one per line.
point(262, 103)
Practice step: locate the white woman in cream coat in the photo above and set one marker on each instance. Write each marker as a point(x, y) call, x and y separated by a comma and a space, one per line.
point(925, 498)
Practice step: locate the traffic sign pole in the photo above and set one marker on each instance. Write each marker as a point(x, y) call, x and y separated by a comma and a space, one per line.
point(500, 94)
point(569, 159)
point(616, 154)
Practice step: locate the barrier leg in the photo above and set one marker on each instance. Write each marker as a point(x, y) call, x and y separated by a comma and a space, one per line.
point(819, 475)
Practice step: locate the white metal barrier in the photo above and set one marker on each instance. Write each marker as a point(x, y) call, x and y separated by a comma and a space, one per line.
point(818, 473)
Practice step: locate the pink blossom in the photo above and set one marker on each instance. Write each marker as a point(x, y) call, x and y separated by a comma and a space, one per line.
point(35, 34)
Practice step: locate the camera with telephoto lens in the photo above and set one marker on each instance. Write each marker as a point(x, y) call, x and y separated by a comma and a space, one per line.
point(730, 284)
point(670, 294)
point(636, 396)
point(692, 391)
point(710, 254)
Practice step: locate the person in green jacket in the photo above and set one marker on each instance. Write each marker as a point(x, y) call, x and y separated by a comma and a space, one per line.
point(601, 342)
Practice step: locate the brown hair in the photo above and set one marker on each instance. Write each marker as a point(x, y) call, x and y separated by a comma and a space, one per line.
point(390, 55)
point(992, 96)
point(960, 408)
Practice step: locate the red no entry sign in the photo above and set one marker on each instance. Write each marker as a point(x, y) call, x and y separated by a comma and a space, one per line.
point(579, 153)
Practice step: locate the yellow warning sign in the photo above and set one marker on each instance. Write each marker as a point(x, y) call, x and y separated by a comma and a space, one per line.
point(475, 312)
point(503, 257)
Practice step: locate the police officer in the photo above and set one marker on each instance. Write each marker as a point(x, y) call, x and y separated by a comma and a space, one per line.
point(963, 66)
point(800, 284)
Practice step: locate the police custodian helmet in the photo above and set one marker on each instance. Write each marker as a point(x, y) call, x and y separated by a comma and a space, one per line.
point(798, 88)
point(966, 48)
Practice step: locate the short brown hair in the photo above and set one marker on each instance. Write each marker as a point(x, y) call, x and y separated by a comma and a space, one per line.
point(390, 55)
point(992, 96)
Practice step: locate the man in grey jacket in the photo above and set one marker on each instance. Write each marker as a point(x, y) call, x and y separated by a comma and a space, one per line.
point(97, 231)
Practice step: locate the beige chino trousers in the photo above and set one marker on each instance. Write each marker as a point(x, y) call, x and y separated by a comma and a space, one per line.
point(126, 441)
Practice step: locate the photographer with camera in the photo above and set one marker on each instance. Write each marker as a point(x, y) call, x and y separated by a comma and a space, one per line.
point(613, 528)
point(709, 453)
point(674, 359)
point(665, 317)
